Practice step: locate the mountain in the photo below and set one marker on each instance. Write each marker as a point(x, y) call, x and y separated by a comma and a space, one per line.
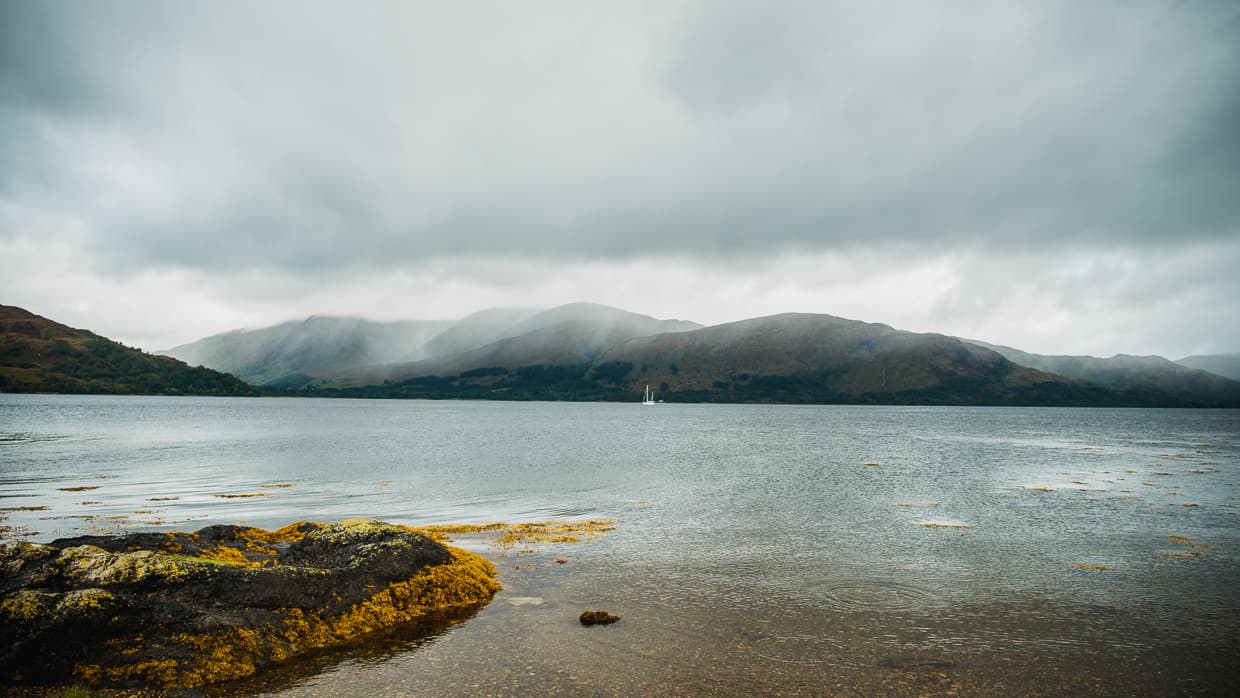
point(292, 353)
point(584, 351)
point(578, 333)
point(781, 358)
point(1225, 365)
point(490, 326)
point(1152, 374)
point(476, 330)
point(38, 355)
point(820, 358)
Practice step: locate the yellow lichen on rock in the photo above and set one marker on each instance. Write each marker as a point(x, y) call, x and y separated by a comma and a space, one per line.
point(26, 605)
point(225, 602)
point(229, 556)
point(467, 581)
point(95, 566)
point(155, 672)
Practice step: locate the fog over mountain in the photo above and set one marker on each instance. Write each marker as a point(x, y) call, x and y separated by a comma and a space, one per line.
point(312, 346)
point(1227, 365)
point(294, 352)
point(477, 329)
point(1052, 175)
point(607, 354)
point(591, 351)
point(1126, 372)
point(587, 351)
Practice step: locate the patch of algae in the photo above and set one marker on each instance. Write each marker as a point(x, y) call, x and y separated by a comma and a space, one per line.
point(242, 495)
point(1179, 555)
point(510, 535)
point(1090, 567)
point(1195, 547)
point(467, 581)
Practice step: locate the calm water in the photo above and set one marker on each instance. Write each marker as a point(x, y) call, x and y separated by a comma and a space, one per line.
point(757, 552)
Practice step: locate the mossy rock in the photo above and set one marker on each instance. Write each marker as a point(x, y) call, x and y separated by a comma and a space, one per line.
point(169, 610)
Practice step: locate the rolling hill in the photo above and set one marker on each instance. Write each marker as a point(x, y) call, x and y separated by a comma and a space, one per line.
point(38, 355)
point(292, 353)
point(784, 358)
point(476, 330)
point(574, 334)
point(1225, 365)
point(584, 351)
point(1152, 374)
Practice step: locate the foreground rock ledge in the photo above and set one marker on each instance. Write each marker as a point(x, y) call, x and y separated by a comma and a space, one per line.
point(179, 610)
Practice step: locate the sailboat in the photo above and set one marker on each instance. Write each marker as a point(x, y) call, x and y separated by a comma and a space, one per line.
point(648, 397)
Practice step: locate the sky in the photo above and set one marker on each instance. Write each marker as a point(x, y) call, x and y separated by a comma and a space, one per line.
point(1062, 177)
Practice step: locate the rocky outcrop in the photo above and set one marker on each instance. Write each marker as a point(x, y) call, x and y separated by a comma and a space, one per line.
point(174, 610)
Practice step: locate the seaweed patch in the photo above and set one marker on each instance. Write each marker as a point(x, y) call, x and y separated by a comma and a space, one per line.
point(220, 603)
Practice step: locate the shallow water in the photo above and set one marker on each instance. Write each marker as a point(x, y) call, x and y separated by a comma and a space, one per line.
point(761, 549)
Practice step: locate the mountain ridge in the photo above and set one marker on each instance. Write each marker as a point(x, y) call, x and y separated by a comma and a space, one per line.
point(586, 351)
point(1131, 372)
point(791, 357)
point(314, 345)
point(39, 355)
point(1225, 365)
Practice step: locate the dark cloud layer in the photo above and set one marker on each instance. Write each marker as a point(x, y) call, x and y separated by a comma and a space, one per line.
point(306, 136)
point(1050, 174)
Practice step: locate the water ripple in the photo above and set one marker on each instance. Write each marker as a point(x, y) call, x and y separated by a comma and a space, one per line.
point(874, 595)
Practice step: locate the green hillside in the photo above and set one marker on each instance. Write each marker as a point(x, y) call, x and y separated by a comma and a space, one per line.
point(38, 355)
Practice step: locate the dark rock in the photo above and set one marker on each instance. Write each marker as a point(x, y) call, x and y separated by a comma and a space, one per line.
point(180, 610)
point(597, 618)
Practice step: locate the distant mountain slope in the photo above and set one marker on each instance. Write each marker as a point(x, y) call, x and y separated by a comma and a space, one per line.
point(38, 355)
point(782, 358)
point(604, 319)
point(1225, 365)
point(490, 326)
point(476, 330)
point(820, 358)
point(578, 333)
point(1142, 373)
point(293, 352)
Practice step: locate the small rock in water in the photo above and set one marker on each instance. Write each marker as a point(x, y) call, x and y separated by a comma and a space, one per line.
point(597, 618)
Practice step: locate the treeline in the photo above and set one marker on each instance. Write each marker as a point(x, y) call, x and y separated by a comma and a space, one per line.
point(606, 382)
point(100, 366)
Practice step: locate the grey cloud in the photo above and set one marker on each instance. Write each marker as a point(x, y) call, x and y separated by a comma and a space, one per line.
point(307, 137)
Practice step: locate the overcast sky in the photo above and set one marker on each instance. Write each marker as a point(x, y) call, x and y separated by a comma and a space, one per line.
point(1063, 177)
